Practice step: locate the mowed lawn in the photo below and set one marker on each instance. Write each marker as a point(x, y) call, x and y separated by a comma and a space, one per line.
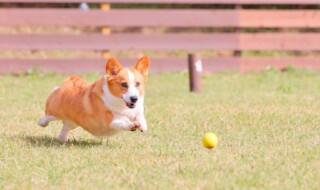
point(268, 126)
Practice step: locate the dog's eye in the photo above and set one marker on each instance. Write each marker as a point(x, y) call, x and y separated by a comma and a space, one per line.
point(137, 84)
point(124, 85)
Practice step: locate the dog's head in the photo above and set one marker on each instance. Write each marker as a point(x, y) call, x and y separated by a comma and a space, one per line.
point(127, 83)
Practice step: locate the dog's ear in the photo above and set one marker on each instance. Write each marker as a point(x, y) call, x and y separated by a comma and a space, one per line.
point(113, 67)
point(143, 65)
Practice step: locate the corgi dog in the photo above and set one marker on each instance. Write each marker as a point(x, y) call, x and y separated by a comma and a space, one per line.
point(113, 103)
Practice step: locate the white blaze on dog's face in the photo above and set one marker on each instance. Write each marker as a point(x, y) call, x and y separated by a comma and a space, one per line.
point(127, 84)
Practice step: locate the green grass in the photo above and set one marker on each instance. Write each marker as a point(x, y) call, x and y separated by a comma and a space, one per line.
point(268, 126)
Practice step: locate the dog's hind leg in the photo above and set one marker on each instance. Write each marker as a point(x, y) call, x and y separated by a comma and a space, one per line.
point(44, 121)
point(67, 126)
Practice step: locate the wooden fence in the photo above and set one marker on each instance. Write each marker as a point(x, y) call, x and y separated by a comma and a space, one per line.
point(240, 27)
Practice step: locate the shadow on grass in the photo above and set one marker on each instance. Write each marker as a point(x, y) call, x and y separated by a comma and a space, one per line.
point(46, 141)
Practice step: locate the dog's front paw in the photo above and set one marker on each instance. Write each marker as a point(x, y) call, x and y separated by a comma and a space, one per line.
point(142, 124)
point(143, 128)
point(134, 126)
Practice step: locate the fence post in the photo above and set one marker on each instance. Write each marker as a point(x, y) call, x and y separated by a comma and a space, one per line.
point(237, 53)
point(195, 72)
point(105, 30)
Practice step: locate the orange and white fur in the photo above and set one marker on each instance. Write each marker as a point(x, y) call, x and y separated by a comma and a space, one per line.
point(113, 103)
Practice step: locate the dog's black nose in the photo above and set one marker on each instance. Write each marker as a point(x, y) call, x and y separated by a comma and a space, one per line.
point(134, 99)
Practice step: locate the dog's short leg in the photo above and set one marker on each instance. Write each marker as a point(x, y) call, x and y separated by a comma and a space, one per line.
point(122, 123)
point(142, 123)
point(63, 136)
point(44, 121)
point(67, 127)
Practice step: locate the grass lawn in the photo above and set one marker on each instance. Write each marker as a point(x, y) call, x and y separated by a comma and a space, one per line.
point(268, 126)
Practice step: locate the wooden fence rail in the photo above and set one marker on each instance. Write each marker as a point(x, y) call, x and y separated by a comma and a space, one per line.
point(221, 41)
point(162, 18)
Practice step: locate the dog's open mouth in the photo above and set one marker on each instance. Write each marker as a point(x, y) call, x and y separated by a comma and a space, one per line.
point(129, 105)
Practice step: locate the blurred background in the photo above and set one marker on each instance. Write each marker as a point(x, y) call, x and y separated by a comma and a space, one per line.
point(67, 36)
point(267, 122)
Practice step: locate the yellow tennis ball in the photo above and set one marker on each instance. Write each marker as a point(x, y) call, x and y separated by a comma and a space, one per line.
point(210, 140)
